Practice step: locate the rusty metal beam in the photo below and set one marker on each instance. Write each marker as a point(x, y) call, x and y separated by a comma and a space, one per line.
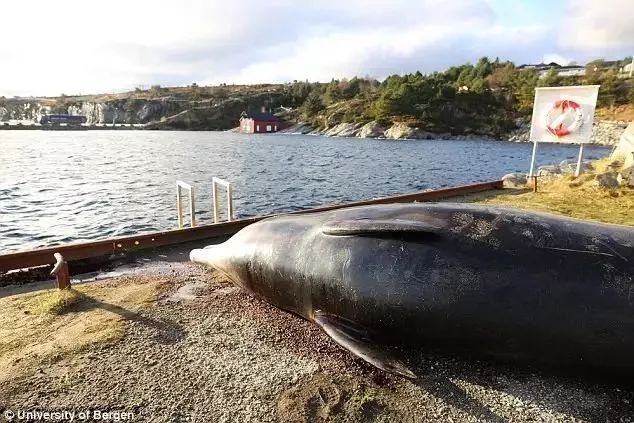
point(44, 256)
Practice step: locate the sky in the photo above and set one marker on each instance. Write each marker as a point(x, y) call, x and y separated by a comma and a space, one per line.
point(87, 47)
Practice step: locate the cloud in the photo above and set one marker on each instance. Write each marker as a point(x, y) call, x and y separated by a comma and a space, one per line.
point(598, 26)
point(557, 58)
point(77, 46)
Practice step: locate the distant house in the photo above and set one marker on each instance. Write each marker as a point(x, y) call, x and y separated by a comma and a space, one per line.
point(628, 69)
point(543, 69)
point(258, 123)
point(572, 70)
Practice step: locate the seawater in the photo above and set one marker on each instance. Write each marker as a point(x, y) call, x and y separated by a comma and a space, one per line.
point(66, 186)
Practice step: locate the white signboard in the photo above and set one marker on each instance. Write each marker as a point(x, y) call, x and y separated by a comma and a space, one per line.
point(564, 114)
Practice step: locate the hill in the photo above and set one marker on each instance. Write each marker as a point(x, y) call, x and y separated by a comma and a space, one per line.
point(489, 98)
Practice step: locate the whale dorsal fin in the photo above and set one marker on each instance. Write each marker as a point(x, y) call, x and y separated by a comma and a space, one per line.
point(356, 339)
point(378, 226)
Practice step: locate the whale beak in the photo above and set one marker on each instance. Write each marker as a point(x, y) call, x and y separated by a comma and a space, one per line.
point(199, 255)
point(215, 256)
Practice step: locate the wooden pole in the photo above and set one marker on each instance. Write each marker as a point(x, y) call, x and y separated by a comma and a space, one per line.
point(60, 271)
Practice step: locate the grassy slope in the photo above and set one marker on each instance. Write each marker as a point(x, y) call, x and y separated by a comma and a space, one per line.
point(570, 196)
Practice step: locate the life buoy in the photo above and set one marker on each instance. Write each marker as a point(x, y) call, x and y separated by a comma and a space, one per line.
point(564, 118)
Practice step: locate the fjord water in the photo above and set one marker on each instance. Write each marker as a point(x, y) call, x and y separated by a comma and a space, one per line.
point(64, 186)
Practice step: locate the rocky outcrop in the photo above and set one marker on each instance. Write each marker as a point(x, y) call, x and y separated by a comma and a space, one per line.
point(22, 110)
point(604, 132)
point(300, 128)
point(159, 112)
point(608, 132)
point(625, 147)
point(371, 130)
point(343, 129)
point(401, 131)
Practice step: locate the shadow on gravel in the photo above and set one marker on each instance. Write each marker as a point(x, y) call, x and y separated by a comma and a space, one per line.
point(166, 332)
point(453, 395)
point(556, 389)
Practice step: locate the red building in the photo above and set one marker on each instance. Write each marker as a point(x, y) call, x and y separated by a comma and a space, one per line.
point(257, 123)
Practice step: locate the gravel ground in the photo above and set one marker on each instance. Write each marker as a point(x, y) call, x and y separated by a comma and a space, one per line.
point(208, 352)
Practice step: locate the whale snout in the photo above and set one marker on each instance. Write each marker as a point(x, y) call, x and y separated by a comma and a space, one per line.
point(212, 255)
point(199, 255)
point(221, 258)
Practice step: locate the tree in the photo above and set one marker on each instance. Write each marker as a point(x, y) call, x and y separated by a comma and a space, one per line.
point(333, 92)
point(313, 103)
point(551, 79)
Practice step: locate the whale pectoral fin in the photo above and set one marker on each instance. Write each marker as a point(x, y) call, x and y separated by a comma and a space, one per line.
point(378, 227)
point(355, 339)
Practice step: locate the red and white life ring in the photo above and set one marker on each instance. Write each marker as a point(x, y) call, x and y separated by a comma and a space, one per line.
point(564, 118)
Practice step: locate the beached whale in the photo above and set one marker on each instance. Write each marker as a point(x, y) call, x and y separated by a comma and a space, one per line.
point(493, 281)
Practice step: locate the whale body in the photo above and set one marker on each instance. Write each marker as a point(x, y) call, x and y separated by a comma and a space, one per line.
point(496, 282)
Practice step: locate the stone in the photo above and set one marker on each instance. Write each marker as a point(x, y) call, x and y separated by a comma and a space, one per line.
point(606, 180)
point(549, 170)
point(626, 177)
point(371, 130)
point(342, 130)
point(400, 131)
point(569, 166)
point(514, 180)
point(350, 131)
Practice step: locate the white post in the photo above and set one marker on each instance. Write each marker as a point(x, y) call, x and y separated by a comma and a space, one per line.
point(530, 174)
point(192, 207)
point(215, 201)
point(632, 67)
point(229, 203)
point(179, 206)
point(578, 171)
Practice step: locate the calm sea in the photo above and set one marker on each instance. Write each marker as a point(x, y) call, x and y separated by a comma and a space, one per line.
point(58, 187)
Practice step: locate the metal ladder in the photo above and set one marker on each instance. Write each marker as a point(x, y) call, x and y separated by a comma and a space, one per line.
point(215, 183)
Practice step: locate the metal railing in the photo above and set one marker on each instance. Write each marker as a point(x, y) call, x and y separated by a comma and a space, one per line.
point(215, 183)
point(179, 206)
point(214, 186)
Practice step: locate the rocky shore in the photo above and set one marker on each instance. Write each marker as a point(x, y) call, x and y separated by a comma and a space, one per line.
point(173, 112)
point(604, 132)
point(619, 171)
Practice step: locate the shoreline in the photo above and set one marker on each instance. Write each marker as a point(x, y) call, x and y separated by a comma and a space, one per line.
point(605, 132)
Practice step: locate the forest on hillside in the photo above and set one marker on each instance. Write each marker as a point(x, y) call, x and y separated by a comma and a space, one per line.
point(487, 97)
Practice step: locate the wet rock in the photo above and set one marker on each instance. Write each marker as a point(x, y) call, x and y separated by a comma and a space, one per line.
point(342, 130)
point(400, 131)
point(371, 130)
point(514, 180)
